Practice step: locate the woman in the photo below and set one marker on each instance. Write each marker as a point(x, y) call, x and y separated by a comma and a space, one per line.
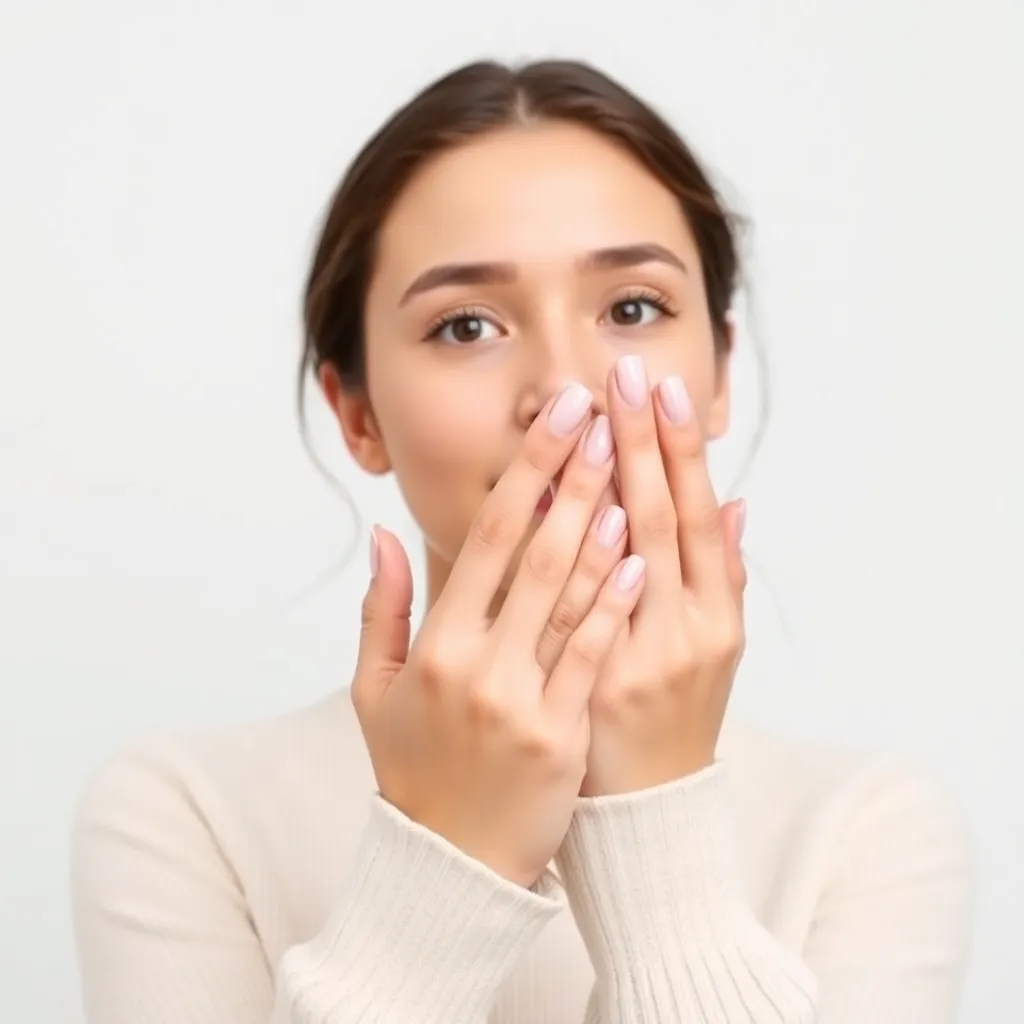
point(520, 306)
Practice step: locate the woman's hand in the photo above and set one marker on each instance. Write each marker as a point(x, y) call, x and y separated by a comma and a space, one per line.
point(469, 734)
point(658, 708)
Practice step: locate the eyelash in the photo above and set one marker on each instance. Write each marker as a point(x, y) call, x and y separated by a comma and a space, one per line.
point(451, 317)
point(660, 301)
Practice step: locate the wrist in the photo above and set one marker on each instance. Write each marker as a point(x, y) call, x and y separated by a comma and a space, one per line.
point(640, 777)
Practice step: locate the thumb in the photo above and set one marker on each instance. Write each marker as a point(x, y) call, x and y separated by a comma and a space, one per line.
point(387, 608)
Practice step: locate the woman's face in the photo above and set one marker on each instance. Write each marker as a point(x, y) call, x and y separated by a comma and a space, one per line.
point(488, 297)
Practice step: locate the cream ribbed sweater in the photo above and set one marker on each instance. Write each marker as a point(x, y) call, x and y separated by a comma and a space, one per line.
point(251, 876)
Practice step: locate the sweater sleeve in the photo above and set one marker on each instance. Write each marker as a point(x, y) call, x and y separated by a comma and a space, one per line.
point(653, 883)
point(422, 934)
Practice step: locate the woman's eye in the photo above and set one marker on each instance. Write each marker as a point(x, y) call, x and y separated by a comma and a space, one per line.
point(464, 330)
point(635, 312)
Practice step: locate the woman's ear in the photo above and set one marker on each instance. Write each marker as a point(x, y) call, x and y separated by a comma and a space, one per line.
point(358, 424)
point(718, 414)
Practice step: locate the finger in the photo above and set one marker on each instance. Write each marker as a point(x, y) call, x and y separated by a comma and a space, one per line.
point(571, 683)
point(553, 551)
point(387, 608)
point(702, 539)
point(734, 516)
point(507, 512)
point(653, 525)
point(602, 549)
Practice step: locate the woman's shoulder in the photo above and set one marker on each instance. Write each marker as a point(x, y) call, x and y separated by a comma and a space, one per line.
point(305, 761)
point(807, 776)
point(277, 745)
point(273, 779)
point(308, 774)
point(236, 834)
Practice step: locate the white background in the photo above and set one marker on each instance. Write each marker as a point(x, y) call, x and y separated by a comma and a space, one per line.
point(163, 168)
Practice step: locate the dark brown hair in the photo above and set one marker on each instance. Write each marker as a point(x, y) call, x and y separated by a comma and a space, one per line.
point(470, 101)
point(475, 99)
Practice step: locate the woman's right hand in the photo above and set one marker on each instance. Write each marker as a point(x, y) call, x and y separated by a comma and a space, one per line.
point(474, 733)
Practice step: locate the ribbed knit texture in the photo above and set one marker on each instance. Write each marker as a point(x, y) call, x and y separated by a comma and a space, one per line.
point(388, 954)
point(253, 876)
point(674, 941)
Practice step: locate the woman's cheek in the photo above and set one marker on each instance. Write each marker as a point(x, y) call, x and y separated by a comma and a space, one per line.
point(444, 460)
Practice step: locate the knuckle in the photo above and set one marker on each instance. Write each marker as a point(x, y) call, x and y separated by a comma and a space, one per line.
point(590, 644)
point(540, 745)
point(434, 663)
point(619, 697)
point(594, 567)
point(587, 652)
point(431, 674)
point(563, 621)
point(730, 640)
point(544, 564)
point(549, 648)
point(636, 700)
point(643, 435)
point(486, 708)
point(366, 613)
point(705, 520)
point(577, 486)
point(659, 522)
point(494, 528)
point(688, 443)
point(537, 453)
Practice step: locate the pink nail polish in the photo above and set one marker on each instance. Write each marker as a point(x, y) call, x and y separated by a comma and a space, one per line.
point(675, 400)
point(631, 378)
point(611, 525)
point(630, 572)
point(569, 410)
point(597, 448)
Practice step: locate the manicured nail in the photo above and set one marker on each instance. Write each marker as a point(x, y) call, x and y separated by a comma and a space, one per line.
point(569, 410)
point(674, 399)
point(598, 446)
point(629, 573)
point(611, 525)
point(631, 377)
point(741, 519)
point(374, 553)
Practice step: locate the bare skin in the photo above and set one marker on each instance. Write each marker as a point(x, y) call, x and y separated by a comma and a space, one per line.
point(537, 668)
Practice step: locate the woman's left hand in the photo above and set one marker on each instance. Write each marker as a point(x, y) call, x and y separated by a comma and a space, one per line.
point(658, 708)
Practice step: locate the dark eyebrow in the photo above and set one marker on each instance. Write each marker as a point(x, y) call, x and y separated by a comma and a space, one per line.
point(620, 256)
point(446, 275)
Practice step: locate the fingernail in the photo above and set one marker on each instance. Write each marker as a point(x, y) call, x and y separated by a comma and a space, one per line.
point(597, 448)
point(571, 406)
point(374, 553)
point(629, 573)
point(611, 525)
point(674, 399)
point(741, 520)
point(631, 377)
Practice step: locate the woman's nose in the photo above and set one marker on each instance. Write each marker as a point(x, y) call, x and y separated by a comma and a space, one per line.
point(542, 387)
